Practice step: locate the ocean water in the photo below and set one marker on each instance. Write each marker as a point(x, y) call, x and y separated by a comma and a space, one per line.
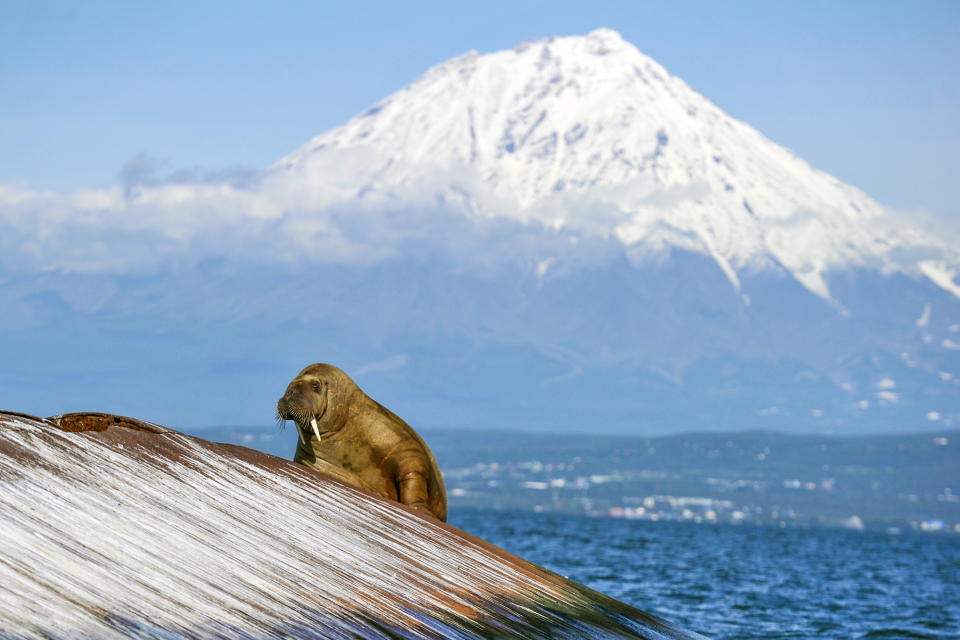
point(730, 582)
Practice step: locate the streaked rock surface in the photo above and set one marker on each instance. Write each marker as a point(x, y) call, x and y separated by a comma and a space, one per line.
point(112, 527)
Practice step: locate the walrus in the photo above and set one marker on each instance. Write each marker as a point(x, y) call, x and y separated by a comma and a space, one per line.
point(346, 433)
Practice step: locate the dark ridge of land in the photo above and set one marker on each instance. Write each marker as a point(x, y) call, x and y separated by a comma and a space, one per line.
point(900, 481)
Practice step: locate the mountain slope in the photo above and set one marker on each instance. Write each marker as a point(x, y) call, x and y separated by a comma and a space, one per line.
point(587, 133)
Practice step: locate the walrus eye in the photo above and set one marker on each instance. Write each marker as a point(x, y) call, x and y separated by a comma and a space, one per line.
point(315, 385)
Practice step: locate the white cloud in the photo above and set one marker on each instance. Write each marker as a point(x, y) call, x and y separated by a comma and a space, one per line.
point(942, 274)
point(382, 366)
point(103, 231)
point(924, 318)
point(888, 397)
point(149, 224)
point(886, 383)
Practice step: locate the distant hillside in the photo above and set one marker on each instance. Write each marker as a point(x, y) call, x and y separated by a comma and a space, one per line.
point(881, 482)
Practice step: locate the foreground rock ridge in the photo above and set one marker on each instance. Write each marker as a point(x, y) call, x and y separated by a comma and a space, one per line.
point(112, 527)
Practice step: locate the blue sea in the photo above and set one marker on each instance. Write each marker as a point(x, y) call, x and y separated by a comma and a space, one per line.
point(729, 582)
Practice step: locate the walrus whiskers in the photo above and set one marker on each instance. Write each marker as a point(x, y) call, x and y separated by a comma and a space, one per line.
point(297, 418)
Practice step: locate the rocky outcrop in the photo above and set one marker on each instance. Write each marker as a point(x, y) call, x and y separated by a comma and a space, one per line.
point(114, 527)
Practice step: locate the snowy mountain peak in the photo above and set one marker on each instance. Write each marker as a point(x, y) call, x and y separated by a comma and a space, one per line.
point(588, 134)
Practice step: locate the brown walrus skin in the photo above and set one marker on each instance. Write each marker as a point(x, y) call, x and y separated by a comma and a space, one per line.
point(361, 441)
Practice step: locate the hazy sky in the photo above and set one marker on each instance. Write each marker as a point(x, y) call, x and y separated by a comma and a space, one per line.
point(868, 91)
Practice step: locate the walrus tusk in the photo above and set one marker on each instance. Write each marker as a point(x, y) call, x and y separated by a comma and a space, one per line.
point(313, 423)
point(300, 435)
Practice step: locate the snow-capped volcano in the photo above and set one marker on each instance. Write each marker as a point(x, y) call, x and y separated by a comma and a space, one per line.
point(562, 236)
point(586, 133)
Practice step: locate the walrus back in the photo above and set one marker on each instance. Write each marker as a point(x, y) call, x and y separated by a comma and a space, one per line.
point(435, 485)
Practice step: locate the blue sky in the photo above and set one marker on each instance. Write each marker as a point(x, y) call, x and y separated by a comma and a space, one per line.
point(868, 91)
point(151, 306)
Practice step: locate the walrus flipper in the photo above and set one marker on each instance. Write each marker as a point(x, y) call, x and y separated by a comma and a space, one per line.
point(412, 488)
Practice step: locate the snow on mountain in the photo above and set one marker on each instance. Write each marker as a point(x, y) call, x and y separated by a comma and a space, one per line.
point(587, 133)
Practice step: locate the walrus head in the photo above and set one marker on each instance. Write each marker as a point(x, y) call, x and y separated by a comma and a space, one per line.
point(315, 400)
